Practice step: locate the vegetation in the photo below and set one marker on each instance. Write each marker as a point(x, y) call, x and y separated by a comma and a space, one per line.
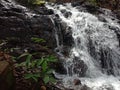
point(38, 68)
point(36, 2)
point(37, 40)
point(94, 2)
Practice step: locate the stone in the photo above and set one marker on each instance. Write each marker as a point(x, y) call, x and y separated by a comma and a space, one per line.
point(79, 67)
point(3, 66)
point(66, 13)
point(6, 76)
point(102, 19)
point(44, 11)
point(21, 27)
point(84, 87)
point(77, 82)
point(91, 8)
point(78, 3)
point(43, 88)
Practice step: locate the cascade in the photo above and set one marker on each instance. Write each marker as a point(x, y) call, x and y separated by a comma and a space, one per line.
point(94, 56)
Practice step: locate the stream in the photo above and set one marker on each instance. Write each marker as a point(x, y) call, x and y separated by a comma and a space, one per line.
point(94, 57)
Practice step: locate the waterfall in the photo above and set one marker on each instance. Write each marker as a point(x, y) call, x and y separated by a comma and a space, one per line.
point(94, 57)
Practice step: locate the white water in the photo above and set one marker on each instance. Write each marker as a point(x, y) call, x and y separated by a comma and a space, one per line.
point(85, 28)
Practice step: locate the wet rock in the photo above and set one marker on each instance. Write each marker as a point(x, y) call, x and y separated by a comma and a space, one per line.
point(66, 13)
point(117, 12)
point(91, 8)
point(79, 67)
point(107, 63)
point(107, 87)
point(77, 82)
point(102, 19)
point(59, 68)
point(78, 3)
point(21, 27)
point(84, 87)
point(67, 35)
point(68, 39)
point(44, 11)
point(16, 9)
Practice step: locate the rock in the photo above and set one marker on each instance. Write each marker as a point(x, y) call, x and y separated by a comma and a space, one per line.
point(79, 67)
point(78, 3)
point(102, 19)
point(67, 35)
point(117, 12)
point(3, 66)
point(91, 8)
point(77, 82)
point(67, 38)
point(44, 11)
point(110, 4)
point(84, 87)
point(21, 27)
point(6, 76)
point(66, 13)
point(43, 88)
point(59, 68)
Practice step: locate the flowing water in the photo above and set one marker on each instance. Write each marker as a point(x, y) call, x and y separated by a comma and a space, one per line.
point(96, 43)
point(94, 56)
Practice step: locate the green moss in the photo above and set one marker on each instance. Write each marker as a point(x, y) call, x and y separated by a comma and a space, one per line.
point(94, 2)
point(36, 2)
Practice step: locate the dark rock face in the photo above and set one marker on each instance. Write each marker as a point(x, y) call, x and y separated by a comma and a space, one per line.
point(67, 38)
point(18, 25)
point(43, 11)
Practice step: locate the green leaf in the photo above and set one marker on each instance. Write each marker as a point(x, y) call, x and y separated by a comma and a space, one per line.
point(46, 79)
point(35, 78)
point(36, 75)
point(51, 59)
point(28, 60)
point(52, 80)
point(28, 76)
point(33, 63)
point(32, 76)
point(24, 54)
point(40, 61)
point(37, 40)
point(21, 64)
point(44, 66)
point(49, 71)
